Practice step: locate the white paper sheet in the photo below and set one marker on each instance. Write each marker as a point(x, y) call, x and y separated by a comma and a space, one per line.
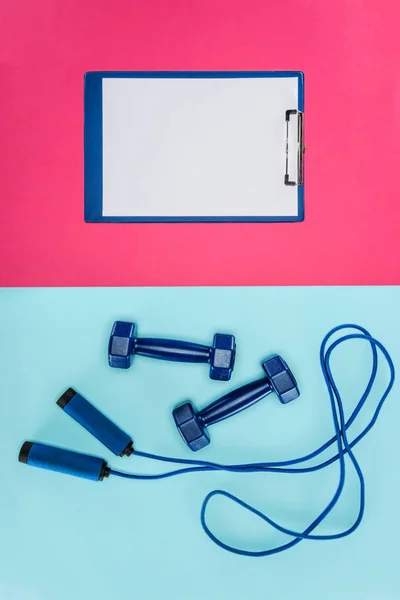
point(197, 147)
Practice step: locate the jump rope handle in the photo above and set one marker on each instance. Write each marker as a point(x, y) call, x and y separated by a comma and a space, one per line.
point(63, 461)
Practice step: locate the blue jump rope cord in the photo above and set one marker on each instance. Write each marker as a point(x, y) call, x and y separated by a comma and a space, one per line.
point(343, 446)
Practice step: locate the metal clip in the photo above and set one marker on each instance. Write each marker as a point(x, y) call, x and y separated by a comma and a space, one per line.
point(300, 147)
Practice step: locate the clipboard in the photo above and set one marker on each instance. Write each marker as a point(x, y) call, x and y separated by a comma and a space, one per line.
point(194, 146)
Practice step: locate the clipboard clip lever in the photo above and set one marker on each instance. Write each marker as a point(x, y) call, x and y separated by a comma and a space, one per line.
point(300, 147)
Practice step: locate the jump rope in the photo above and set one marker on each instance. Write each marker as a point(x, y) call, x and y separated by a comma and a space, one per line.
point(340, 439)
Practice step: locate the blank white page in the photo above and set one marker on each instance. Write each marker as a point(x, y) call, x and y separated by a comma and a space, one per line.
point(197, 147)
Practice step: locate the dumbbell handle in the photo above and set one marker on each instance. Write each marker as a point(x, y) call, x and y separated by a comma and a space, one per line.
point(235, 401)
point(174, 350)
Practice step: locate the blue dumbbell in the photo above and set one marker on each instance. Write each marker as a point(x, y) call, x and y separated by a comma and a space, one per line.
point(193, 426)
point(124, 344)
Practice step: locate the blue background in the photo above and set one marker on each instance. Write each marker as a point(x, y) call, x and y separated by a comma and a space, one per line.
point(63, 538)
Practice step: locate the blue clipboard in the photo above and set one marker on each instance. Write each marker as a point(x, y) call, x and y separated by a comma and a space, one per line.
point(194, 146)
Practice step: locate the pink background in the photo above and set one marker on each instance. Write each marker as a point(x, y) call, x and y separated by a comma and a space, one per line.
point(349, 51)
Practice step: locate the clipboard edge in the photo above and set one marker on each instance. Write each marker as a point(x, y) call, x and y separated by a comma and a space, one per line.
point(93, 143)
